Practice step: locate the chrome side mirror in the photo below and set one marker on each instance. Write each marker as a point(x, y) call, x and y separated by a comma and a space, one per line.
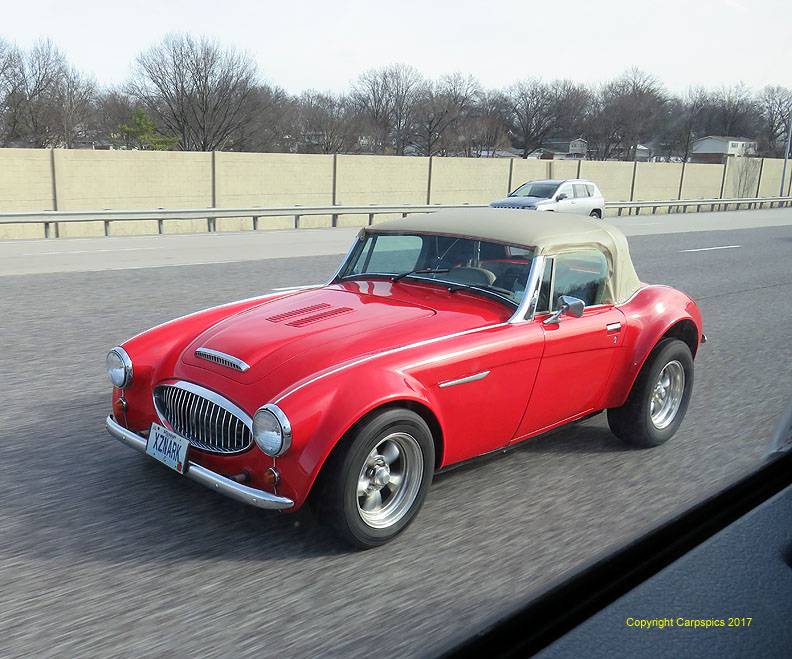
point(561, 196)
point(570, 306)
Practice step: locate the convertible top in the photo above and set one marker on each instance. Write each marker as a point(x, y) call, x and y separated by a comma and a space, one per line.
point(548, 233)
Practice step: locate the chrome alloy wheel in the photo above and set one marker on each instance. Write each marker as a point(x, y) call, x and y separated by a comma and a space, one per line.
point(667, 394)
point(389, 480)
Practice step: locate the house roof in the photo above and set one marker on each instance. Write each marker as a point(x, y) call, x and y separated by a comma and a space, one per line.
point(725, 138)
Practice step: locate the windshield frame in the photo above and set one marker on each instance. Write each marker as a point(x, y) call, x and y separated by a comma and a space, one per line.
point(523, 311)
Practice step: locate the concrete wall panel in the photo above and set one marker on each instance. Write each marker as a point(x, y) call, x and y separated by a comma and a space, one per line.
point(469, 180)
point(614, 179)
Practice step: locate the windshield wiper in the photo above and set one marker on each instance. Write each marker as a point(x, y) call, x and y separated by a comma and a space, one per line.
point(420, 271)
point(489, 290)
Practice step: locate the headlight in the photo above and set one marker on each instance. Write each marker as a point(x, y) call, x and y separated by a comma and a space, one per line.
point(119, 368)
point(272, 430)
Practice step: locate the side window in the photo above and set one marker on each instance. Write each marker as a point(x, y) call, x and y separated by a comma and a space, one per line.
point(580, 190)
point(567, 190)
point(583, 275)
point(590, 189)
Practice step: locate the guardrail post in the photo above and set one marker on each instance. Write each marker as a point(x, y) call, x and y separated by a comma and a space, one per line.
point(159, 226)
point(106, 228)
point(255, 223)
point(296, 221)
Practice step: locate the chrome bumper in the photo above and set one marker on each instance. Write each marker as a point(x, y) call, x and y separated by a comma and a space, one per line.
point(202, 475)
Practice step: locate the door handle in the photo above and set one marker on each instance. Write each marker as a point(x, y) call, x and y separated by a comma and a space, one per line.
point(612, 328)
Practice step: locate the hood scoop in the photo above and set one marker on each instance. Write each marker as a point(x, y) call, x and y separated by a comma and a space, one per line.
point(229, 361)
point(315, 318)
point(308, 315)
point(281, 317)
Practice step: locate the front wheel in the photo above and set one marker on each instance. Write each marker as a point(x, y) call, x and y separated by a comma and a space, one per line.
point(596, 214)
point(659, 398)
point(376, 480)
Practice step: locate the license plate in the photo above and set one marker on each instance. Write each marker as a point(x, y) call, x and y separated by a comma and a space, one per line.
point(167, 447)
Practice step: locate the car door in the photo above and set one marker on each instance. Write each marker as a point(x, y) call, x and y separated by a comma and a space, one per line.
point(579, 353)
point(584, 203)
point(565, 199)
point(480, 382)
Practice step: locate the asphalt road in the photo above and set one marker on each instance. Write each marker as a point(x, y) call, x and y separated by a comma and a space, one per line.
point(105, 553)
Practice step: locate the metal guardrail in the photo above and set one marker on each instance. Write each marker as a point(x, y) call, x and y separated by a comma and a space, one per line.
point(51, 219)
point(674, 205)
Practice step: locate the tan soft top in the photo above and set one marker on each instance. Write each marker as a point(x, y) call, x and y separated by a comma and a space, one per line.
point(549, 233)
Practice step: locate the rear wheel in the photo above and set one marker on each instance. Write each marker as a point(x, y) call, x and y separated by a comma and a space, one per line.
point(659, 398)
point(375, 482)
point(596, 213)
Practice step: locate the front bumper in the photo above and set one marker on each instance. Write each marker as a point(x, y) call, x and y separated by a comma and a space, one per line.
point(206, 477)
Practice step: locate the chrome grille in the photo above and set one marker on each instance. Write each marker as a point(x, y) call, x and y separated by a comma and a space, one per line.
point(207, 420)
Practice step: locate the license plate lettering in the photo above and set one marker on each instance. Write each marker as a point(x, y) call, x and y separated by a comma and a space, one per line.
point(167, 447)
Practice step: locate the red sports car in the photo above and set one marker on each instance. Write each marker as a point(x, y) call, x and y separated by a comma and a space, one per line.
point(442, 337)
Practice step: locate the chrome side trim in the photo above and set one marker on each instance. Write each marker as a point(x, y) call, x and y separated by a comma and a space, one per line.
point(465, 380)
point(222, 358)
point(207, 478)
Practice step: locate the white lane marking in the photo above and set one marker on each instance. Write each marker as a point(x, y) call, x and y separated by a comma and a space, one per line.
point(707, 249)
point(297, 288)
point(91, 251)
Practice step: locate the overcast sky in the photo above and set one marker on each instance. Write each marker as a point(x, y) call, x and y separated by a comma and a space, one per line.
point(324, 45)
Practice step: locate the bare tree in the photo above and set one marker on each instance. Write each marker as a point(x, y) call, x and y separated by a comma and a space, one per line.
point(326, 123)
point(32, 80)
point(683, 123)
point(733, 112)
point(386, 100)
point(573, 102)
point(775, 104)
point(485, 128)
point(272, 123)
point(74, 100)
point(196, 89)
point(440, 107)
point(532, 114)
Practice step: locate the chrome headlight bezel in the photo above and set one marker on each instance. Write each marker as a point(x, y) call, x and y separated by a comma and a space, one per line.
point(124, 364)
point(269, 421)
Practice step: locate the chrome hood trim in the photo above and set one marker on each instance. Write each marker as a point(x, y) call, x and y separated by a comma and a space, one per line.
point(222, 358)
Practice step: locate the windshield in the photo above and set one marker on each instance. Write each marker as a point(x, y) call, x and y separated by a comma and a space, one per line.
point(543, 190)
point(491, 268)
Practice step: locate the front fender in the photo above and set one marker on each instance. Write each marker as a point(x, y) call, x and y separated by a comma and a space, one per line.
point(650, 314)
point(325, 409)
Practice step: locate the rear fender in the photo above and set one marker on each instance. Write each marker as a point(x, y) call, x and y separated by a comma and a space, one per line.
point(651, 314)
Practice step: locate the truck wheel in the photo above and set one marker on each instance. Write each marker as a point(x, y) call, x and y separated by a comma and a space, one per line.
point(375, 482)
point(659, 398)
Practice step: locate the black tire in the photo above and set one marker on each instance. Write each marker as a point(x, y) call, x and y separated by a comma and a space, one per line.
point(335, 498)
point(632, 422)
point(596, 214)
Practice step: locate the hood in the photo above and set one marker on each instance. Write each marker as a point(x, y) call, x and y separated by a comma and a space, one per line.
point(249, 345)
point(519, 202)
